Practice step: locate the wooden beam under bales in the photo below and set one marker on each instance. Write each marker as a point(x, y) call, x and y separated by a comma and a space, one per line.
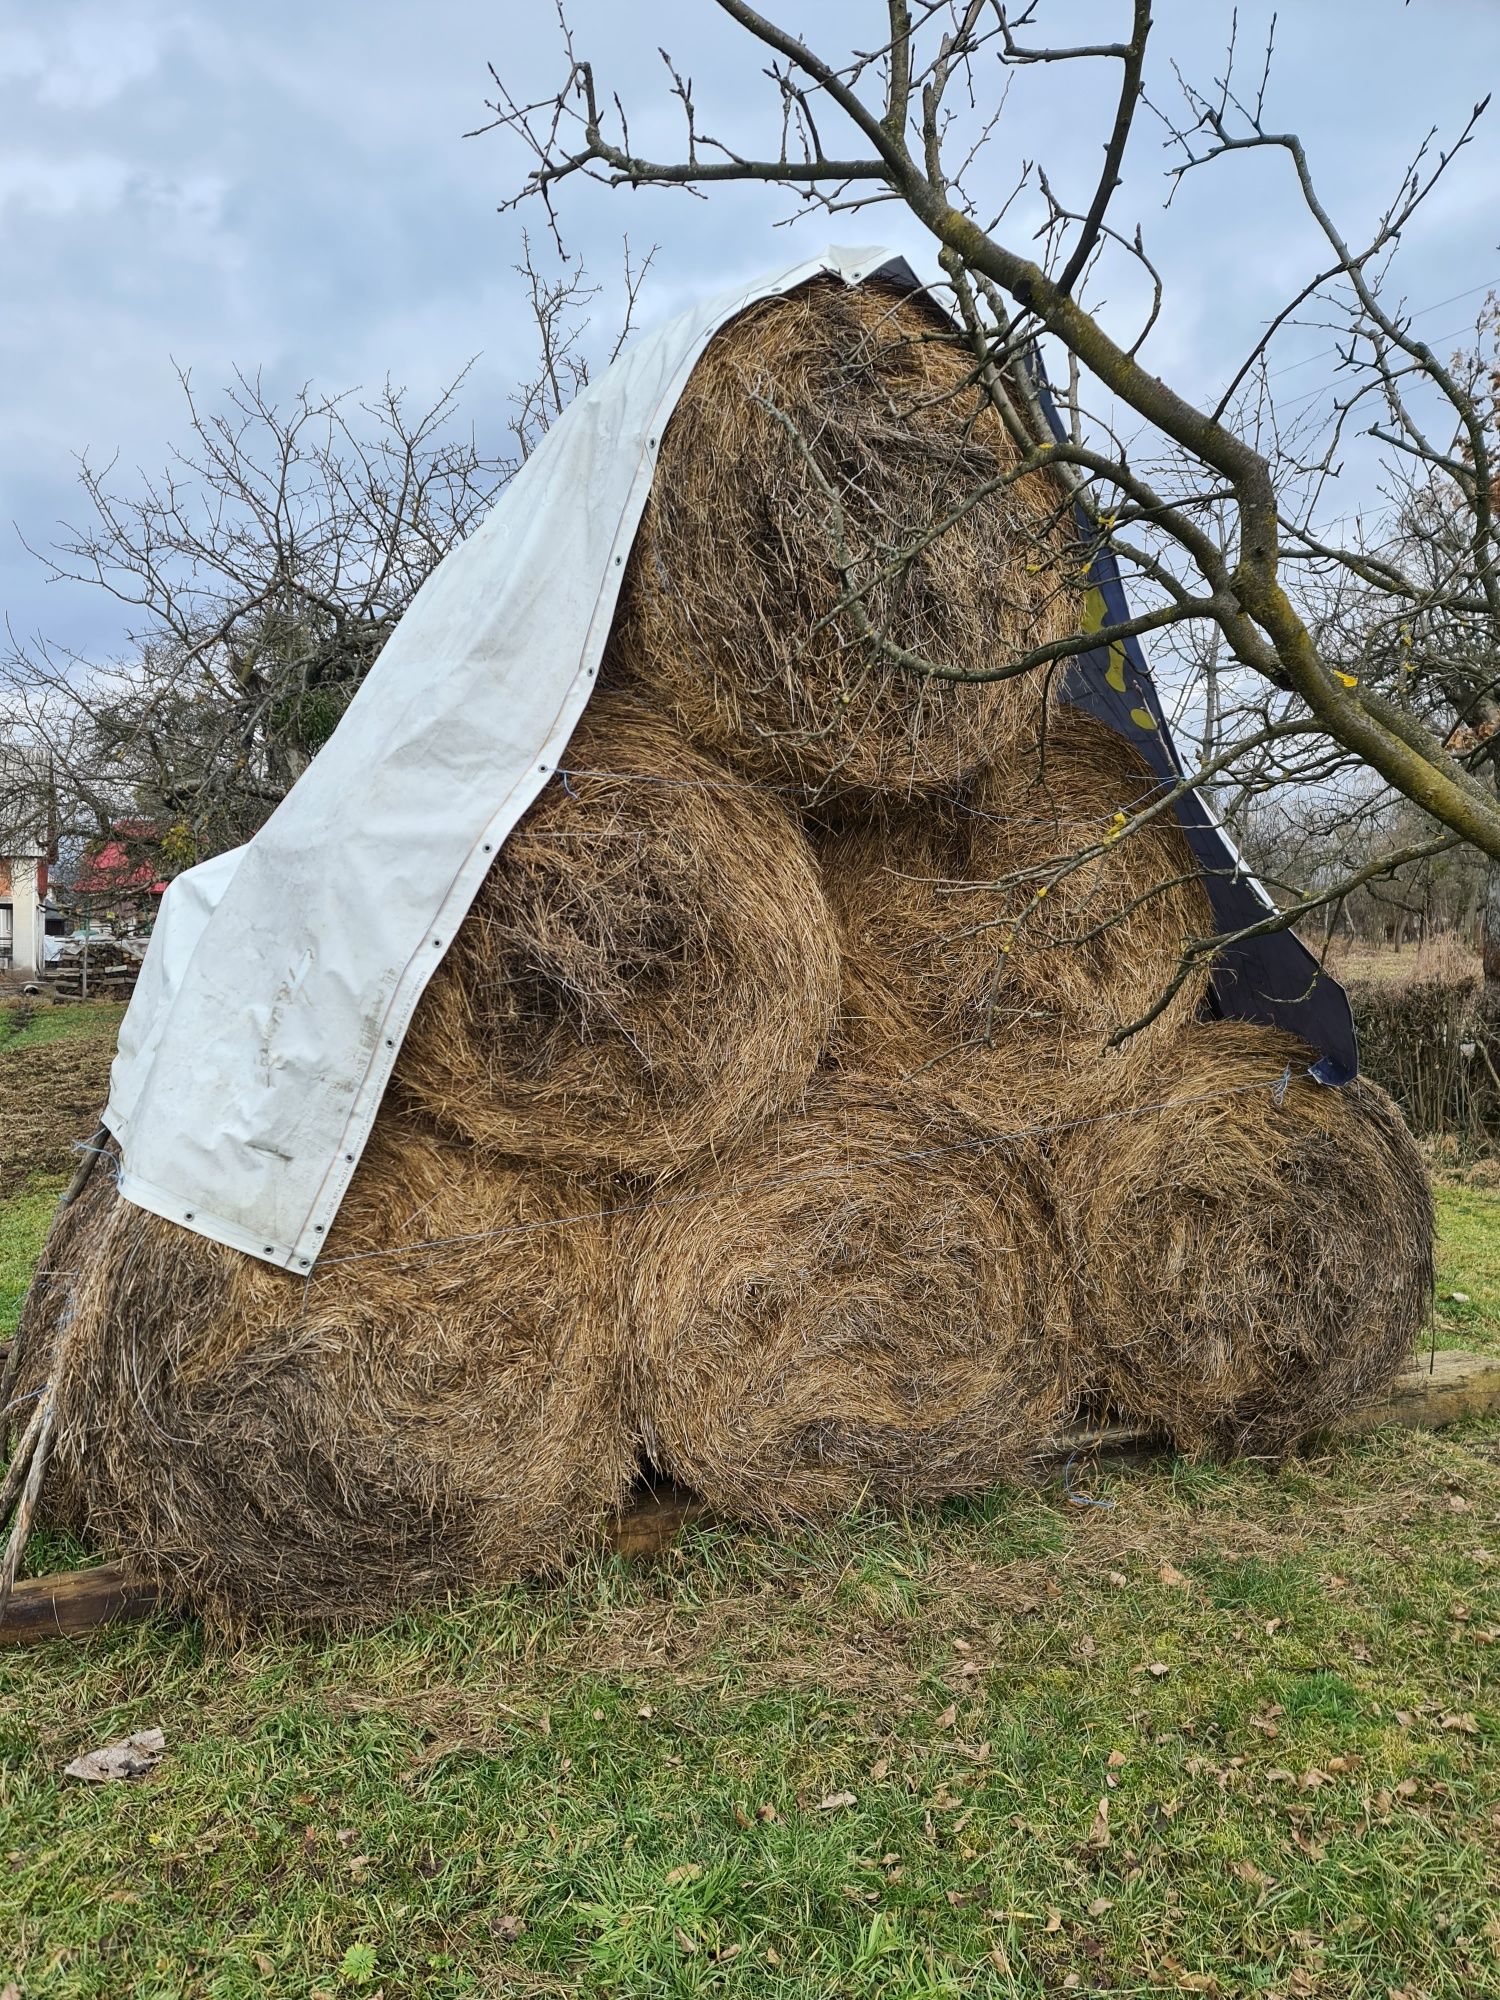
point(1440, 1389)
point(77, 1600)
point(1446, 1389)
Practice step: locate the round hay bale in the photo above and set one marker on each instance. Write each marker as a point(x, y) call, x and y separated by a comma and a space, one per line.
point(968, 911)
point(820, 438)
point(649, 969)
point(861, 1304)
point(387, 1430)
point(1245, 1270)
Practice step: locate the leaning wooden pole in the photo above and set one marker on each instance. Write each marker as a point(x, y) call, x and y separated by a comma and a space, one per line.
point(22, 1486)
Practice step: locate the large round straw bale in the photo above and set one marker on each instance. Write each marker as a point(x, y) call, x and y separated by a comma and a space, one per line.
point(1250, 1261)
point(862, 1303)
point(648, 970)
point(821, 439)
point(981, 915)
point(436, 1407)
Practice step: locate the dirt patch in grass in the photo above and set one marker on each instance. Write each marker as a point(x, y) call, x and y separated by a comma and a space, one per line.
point(54, 1078)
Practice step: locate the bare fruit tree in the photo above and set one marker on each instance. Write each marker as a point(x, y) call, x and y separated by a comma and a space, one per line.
point(1311, 658)
point(260, 575)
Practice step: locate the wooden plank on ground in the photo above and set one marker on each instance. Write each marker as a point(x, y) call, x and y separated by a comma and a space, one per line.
point(78, 1600)
point(1451, 1387)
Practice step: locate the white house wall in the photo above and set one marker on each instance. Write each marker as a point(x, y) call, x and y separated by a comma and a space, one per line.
point(26, 917)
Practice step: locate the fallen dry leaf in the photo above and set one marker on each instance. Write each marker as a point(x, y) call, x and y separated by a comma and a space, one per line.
point(833, 1800)
point(1158, 1670)
point(1053, 1923)
point(134, 1756)
point(879, 1768)
point(948, 1717)
point(690, 1871)
point(1172, 1577)
point(1098, 1833)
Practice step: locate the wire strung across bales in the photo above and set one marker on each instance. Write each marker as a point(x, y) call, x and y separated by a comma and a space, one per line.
point(1244, 1270)
point(862, 1303)
point(649, 969)
point(820, 439)
point(1014, 966)
point(391, 1428)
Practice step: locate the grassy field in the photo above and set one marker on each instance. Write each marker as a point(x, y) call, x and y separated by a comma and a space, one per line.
point(1467, 1309)
point(1178, 1729)
point(37, 1025)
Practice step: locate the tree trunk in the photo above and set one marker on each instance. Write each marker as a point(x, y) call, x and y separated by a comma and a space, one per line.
point(1489, 928)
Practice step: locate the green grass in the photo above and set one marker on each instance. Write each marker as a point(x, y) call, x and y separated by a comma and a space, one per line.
point(638, 1781)
point(1468, 1264)
point(24, 1221)
point(31, 1025)
point(868, 1763)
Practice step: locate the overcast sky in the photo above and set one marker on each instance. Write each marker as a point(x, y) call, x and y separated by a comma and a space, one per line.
point(287, 186)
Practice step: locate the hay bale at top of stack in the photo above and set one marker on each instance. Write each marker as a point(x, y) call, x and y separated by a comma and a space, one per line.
point(1251, 1250)
point(820, 438)
point(938, 907)
point(862, 1303)
point(436, 1407)
point(649, 970)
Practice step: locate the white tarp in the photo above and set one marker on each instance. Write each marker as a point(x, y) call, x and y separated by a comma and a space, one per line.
point(281, 978)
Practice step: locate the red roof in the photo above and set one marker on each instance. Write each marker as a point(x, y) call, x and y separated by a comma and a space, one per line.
point(111, 872)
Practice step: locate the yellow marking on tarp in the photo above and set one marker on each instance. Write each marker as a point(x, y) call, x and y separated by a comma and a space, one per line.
point(1095, 618)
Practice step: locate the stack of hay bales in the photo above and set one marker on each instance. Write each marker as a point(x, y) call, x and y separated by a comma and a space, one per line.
point(760, 1123)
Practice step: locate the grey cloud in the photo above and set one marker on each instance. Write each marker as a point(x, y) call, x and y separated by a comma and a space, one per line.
point(288, 185)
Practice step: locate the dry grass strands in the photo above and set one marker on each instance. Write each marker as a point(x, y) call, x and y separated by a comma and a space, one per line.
point(825, 1316)
point(820, 439)
point(1010, 961)
point(649, 969)
point(1245, 1270)
point(393, 1428)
